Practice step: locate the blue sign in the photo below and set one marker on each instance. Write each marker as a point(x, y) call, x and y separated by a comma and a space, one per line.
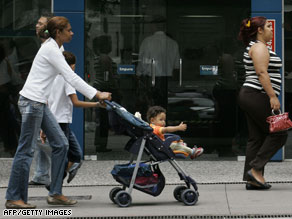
point(208, 69)
point(126, 69)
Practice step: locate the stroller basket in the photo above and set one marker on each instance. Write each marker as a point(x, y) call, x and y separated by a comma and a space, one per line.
point(149, 178)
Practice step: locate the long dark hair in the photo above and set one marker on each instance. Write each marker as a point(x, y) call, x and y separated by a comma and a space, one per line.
point(249, 28)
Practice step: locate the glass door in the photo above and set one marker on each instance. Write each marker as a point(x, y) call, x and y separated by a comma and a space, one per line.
point(182, 55)
point(202, 92)
point(114, 34)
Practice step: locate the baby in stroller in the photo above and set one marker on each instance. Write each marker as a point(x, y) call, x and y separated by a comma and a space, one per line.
point(156, 116)
point(145, 175)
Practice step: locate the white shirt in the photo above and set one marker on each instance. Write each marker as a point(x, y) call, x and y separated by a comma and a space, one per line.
point(59, 101)
point(48, 62)
point(163, 51)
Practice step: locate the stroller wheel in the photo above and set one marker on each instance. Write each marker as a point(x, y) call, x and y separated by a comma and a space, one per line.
point(189, 197)
point(178, 191)
point(113, 193)
point(123, 199)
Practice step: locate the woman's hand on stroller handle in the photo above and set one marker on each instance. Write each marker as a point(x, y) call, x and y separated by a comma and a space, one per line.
point(103, 95)
point(101, 104)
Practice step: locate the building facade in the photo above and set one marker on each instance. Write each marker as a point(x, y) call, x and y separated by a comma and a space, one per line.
point(182, 55)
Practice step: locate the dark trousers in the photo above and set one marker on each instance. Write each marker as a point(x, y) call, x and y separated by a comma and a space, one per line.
point(102, 128)
point(261, 145)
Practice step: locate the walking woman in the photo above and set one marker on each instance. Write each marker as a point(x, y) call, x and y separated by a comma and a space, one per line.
point(36, 115)
point(257, 97)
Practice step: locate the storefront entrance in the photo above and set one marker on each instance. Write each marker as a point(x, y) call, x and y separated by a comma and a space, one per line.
point(183, 56)
point(194, 71)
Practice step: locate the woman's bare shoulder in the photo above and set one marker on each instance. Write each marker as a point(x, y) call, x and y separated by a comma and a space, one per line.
point(259, 48)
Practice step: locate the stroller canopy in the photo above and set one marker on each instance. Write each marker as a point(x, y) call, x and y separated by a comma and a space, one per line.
point(127, 116)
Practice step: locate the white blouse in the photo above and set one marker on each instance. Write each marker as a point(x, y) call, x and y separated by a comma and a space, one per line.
point(48, 63)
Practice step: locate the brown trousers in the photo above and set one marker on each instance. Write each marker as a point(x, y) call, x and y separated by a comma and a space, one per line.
point(261, 145)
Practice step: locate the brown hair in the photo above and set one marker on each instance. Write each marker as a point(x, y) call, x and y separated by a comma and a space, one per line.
point(56, 23)
point(153, 111)
point(249, 28)
point(69, 57)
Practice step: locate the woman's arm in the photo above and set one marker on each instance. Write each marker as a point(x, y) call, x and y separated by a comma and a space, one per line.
point(85, 104)
point(56, 59)
point(261, 57)
point(169, 129)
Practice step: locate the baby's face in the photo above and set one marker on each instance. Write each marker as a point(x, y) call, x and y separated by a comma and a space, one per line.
point(159, 119)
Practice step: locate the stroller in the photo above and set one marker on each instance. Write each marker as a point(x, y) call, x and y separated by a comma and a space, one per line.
point(146, 176)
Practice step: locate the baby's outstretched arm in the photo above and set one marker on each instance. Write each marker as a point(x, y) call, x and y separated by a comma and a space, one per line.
point(169, 129)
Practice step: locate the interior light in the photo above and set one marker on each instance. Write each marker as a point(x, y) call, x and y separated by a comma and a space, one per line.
point(201, 16)
point(130, 15)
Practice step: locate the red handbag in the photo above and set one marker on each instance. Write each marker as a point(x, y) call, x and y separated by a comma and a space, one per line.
point(279, 122)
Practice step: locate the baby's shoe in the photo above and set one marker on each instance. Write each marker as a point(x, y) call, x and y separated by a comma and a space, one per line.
point(197, 151)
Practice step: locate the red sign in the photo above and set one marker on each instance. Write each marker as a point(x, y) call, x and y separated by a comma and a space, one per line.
point(271, 45)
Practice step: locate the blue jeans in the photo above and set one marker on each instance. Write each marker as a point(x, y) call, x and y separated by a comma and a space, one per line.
point(43, 163)
point(43, 156)
point(36, 115)
point(74, 152)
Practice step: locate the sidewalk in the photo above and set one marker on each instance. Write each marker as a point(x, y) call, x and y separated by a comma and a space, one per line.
point(220, 200)
point(222, 193)
point(98, 172)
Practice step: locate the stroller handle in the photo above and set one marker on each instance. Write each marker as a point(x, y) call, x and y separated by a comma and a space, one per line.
point(111, 105)
point(123, 113)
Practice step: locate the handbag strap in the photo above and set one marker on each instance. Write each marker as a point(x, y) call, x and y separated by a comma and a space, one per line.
point(273, 112)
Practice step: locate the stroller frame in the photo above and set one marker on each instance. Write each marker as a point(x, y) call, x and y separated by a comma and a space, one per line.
point(122, 196)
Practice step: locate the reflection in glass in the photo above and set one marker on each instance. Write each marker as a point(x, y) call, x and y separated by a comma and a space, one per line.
point(205, 35)
point(18, 46)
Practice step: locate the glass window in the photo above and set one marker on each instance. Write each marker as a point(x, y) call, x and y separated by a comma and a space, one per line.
point(182, 55)
point(18, 46)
